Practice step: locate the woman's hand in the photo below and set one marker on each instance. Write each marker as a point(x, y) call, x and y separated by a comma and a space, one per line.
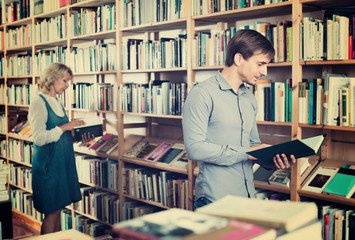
point(72, 124)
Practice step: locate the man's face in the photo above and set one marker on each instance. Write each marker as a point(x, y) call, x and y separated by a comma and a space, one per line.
point(252, 69)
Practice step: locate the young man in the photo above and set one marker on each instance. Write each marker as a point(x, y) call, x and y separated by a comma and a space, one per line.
point(219, 122)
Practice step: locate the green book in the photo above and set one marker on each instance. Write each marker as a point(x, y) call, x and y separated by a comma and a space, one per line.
point(299, 148)
point(343, 183)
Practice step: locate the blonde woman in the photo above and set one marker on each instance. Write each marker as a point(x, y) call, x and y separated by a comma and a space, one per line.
point(54, 177)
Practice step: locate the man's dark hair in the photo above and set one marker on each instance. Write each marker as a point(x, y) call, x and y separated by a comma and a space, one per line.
point(247, 43)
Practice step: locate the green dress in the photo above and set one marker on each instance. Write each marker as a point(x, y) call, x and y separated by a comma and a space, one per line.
point(54, 176)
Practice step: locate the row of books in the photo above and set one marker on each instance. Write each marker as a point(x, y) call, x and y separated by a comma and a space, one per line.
point(19, 65)
point(209, 47)
point(202, 8)
point(97, 96)
point(332, 180)
point(20, 151)
point(154, 54)
point(328, 101)
point(100, 57)
point(135, 12)
point(41, 6)
point(160, 153)
point(4, 172)
point(21, 94)
point(168, 188)
point(317, 103)
point(157, 97)
point(19, 36)
point(22, 127)
point(50, 29)
point(21, 176)
point(274, 100)
point(43, 58)
point(99, 204)
point(22, 201)
point(331, 38)
point(84, 225)
point(92, 20)
point(97, 171)
point(16, 10)
point(337, 223)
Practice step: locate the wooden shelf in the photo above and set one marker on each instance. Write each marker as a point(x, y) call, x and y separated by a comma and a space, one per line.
point(152, 203)
point(20, 137)
point(29, 220)
point(99, 187)
point(152, 115)
point(180, 69)
point(85, 150)
point(94, 36)
point(155, 165)
point(150, 27)
point(60, 42)
point(270, 187)
point(89, 216)
point(328, 62)
point(283, 124)
point(275, 9)
point(326, 197)
point(21, 163)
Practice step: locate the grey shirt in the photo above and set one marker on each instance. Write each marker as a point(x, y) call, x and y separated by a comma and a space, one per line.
point(219, 126)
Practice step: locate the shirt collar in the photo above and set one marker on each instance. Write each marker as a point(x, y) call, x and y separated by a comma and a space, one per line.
point(224, 85)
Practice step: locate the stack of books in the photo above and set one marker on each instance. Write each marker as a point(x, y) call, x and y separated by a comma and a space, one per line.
point(231, 217)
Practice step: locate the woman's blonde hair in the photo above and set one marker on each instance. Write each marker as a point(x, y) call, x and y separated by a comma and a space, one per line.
point(53, 72)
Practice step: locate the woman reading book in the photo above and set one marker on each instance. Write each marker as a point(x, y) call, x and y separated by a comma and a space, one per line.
point(219, 122)
point(54, 177)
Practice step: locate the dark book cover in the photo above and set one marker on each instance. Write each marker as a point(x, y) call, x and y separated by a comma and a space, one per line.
point(95, 130)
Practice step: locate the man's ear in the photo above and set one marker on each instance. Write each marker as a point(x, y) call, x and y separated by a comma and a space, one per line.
point(237, 59)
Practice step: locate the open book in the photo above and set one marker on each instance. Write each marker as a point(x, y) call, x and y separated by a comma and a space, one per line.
point(299, 148)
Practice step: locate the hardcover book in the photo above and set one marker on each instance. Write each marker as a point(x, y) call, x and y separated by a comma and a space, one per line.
point(101, 141)
point(299, 148)
point(320, 178)
point(343, 183)
point(109, 146)
point(282, 215)
point(135, 149)
point(95, 130)
point(158, 152)
point(174, 153)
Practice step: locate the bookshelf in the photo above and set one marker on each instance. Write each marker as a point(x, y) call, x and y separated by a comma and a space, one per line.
point(158, 126)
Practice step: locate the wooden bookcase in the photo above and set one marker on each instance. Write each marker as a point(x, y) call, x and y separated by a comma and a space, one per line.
point(339, 140)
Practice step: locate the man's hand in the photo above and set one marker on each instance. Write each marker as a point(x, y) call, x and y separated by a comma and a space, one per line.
point(282, 162)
